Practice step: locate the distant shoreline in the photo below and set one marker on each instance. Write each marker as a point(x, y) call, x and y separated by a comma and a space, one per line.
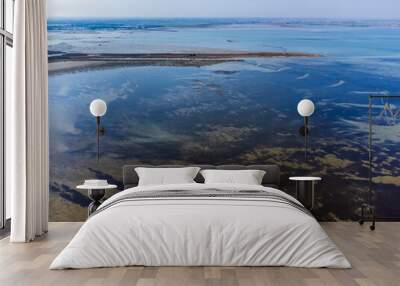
point(68, 62)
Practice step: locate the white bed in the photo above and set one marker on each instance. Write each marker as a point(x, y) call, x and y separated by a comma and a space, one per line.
point(200, 231)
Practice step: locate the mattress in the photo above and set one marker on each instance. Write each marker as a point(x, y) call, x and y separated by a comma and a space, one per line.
point(201, 225)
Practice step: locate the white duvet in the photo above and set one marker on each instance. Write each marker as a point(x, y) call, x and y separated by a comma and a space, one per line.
point(202, 232)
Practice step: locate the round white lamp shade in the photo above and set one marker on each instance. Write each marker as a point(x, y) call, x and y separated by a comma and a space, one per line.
point(98, 107)
point(306, 108)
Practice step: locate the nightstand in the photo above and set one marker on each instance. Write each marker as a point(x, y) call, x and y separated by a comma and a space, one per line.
point(305, 190)
point(96, 193)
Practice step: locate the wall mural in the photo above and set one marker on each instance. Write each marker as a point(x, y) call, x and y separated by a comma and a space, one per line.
point(226, 108)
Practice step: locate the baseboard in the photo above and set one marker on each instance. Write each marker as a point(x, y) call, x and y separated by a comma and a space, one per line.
point(384, 219)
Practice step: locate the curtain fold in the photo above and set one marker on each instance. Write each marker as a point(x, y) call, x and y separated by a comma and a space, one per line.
point(27, 123)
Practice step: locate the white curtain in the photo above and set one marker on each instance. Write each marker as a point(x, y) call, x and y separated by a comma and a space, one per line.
point(27, 124)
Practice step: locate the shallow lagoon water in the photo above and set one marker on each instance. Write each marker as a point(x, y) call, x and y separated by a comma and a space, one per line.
point(235, 112)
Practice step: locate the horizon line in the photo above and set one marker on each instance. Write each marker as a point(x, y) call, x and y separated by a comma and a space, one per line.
point(219, 17)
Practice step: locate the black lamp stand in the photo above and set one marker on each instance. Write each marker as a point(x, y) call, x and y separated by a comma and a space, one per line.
point(99, 132)
point(305, 131)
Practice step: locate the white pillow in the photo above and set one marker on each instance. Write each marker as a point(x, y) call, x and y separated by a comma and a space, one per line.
point(247, 177)
point(166, 176)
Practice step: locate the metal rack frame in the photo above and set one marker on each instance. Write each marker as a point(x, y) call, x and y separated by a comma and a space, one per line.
point(368, 210)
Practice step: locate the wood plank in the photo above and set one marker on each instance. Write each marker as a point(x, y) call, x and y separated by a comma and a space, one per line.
point(375, 257)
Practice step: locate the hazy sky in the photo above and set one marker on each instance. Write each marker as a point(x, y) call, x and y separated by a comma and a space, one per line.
point(383, 9)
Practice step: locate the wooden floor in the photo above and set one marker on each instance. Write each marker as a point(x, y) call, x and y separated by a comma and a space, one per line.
point(375, 257)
